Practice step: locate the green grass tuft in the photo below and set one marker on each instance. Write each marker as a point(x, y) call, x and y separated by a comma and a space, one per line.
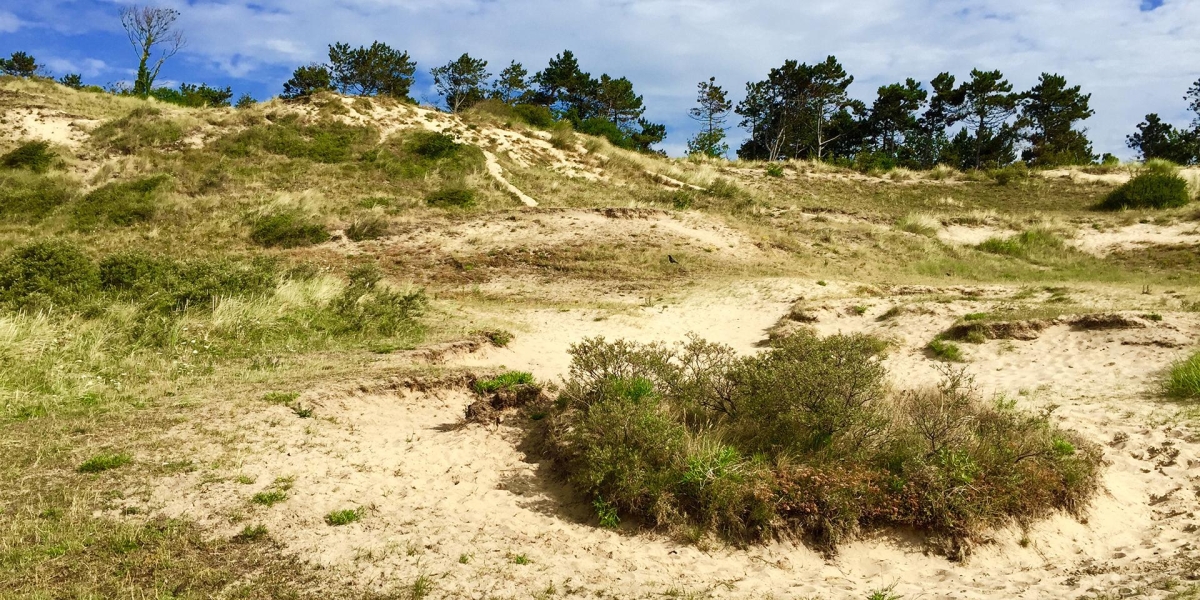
point(143, 127)
point(943, 350)
point(1183, 380)
point(344, 517)
point(287, 229)
point(504, 381)
point(104, 462)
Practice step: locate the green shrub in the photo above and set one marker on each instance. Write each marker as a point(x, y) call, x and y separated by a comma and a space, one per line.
point(34, 156)
point(42, 274)
point(287, 229)
point(121, 203)
point(504, 381)
point(141, 128)
point(280, 397)
point(166, 284)
point(368, 308)
point(802, 439)
point(367, 229)
point(324, 142)
point(344, 517)
point(535, 115)
point(774, 170)
point(1150, 189)
point(1183, 380)
point(25, 194)
point(1027, 244)
point(1013, 173)
point(269, 497)
point(433, 145)
point(104, 462)
point(251, 533)
point(451, 197)
point(723, 188)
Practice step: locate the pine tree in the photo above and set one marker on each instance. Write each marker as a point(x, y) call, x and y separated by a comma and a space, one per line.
point(511, 85)
point(461, 81)
point(712, 110)
point(1049, 112)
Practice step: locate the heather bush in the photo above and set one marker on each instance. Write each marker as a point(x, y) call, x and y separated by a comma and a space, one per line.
point(44, 274)
point(805, 439)
point(1155, 188)
point(121, 203)
point(287, 229)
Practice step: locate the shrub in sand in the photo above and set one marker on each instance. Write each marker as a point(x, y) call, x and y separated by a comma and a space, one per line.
point(1159, 186)
point(803, 439)
point(34, 156)
point(287, 229)
point(141, 128)
point(51, 273)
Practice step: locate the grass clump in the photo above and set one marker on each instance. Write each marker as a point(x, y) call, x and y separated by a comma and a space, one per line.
point(164, 284)
point(504, 381)
point(27, 194)
point(371, 228)
point(280, 397)
point(1155, 188)
point(1039, 246)
point(943, 350)
point(33, 156)
point(344, 517)
point(329, 142)
point(274, 493)
point(451, 197)
point(368, 308)
point(251, 533)
point(104, 461)
point(1183, 380)
point(919, 224)
point(287, 229)
point(806, 439)
point(141, 128)
point(774, 170)
point(45, 274)
point(121, 203)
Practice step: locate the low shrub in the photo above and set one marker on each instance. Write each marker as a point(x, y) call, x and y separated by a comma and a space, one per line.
point(451, 197)
point(287, 229)
point(141, 128)
point(121, 203)
point(165, 284)
point(804, 438)
point(535, 115)
point(1183, 380)
point(367, 229)
point(1153, 189)
point(432, 145)
point(416, 155)
point(29, 195)
point(44, 274)
point(366, 307)
point(723, 188)
point(1014, 173)
point(774, 170)
point(34, 156)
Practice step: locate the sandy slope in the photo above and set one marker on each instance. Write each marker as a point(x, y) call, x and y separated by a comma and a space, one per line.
point(438, 490)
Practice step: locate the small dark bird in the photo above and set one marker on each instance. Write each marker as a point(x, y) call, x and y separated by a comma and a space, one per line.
point(671, 259)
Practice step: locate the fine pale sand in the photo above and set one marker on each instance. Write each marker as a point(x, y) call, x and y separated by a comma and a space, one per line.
point(460, 503)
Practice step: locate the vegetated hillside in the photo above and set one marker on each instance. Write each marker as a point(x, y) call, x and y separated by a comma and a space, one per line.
point(184, 292)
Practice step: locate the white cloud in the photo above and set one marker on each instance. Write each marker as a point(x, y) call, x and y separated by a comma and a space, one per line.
point(88, 67)
point(9, 22)
point(1132, 62)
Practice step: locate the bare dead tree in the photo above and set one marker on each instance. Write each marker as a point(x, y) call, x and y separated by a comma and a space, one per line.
point(151, 30)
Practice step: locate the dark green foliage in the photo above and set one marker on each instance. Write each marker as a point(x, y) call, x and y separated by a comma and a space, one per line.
point(245, 101)
point(451, 197)
point(1152, 189)
point(367, 229)
point(306, 81)
point(1155, 139)
point(34, 196)
point(141, 128)
point(194, 96)
point(165, 284)
point(35, 156)
point(799, 111)
point(1050, 110)
point(287, 229)
point(537, 116)
point(369, 71)
point(251, 533)
point(120, 203)
point(511, 85)
point(104, 462)
point(804, 438)
point(432, 145)
point(72, 80)
point(44, 274)
point(711, 111)
point(324, 141)
point(20, 64)
point(943, 350)
point(461, 82)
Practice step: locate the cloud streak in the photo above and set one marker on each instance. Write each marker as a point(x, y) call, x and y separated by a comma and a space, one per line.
point(1115, 49)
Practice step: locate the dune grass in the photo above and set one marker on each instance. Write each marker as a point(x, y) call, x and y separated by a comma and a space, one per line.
point(1183, 379)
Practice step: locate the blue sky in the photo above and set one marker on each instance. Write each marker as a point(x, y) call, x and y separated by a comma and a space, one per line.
point(1134, 56)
